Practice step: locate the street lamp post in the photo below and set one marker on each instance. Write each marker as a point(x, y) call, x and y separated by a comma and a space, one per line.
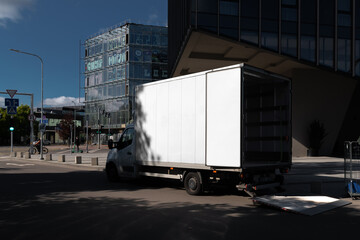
point(74, 124)
point(42, 95)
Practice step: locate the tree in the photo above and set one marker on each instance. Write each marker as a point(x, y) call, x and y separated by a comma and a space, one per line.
point(22, 124)
point(19, 121)
point(64, 125)
point(4, 128)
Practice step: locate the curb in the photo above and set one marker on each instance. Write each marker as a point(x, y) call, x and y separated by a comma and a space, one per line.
point(63, 164)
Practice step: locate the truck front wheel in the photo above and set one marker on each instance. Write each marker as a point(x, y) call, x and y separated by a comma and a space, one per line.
point(192, 183)
point(111, 172)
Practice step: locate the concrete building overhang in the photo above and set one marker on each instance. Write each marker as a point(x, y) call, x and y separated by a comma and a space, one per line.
point(317, 93)
point(204, 51)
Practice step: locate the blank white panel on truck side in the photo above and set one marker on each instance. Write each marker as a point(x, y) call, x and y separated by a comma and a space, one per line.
point(223, 120)
point(188, 116)
point(149, 107)
point(174, 121)
point(200, 119)
point(162, 122)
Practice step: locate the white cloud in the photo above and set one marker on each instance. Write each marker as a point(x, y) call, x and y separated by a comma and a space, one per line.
point(153, 19)
point(63, 101)
point(10, 10)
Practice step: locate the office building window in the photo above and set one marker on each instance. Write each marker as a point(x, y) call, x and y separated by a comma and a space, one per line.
point(357, 37)
point(344, 35)
point(193, 12)
point(207, 17)
point(308, 30)
point(289, 27)
point(326, 41)
point(270, 24)
point(229, 18)
point(250, 21)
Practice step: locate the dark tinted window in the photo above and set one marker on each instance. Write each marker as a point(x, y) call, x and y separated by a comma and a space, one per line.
point(250, 21)
point(357, 37)
point(126, 138)
point(289, 27)
point(344, 35)
point(229, 18)
point(270, 24)
point(208, 6)
point(207, 17)
point(326, 41)
point(308, 30)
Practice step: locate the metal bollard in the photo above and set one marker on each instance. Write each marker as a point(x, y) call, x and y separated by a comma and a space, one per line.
point(61, 158)
point(26, 155)
point(78, 159)
point(94, 161)
point(48, 157)
point(19, 154)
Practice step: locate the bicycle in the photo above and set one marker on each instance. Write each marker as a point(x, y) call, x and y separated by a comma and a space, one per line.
point(35, 150)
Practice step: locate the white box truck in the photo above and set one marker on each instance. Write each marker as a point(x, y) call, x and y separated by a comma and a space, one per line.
point(230, 125)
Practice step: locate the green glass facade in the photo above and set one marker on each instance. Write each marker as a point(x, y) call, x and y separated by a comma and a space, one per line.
point(115, 62)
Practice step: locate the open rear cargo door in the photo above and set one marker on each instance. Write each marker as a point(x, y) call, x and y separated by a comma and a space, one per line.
point(223, 117)
point(267, 119)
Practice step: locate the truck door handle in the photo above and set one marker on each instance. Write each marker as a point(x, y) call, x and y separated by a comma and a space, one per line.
point(128, 153)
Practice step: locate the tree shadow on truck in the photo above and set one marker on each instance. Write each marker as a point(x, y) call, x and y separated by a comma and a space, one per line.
point(143, 140)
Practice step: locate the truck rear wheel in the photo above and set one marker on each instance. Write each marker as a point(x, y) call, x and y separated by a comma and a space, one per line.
point(193, 184)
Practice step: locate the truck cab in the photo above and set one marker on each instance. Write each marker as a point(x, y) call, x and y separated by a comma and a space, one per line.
point(121, 157)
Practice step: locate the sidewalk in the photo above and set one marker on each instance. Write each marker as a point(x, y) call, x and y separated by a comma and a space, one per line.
point(57, 151)
point(70, 158)
point(317, 175)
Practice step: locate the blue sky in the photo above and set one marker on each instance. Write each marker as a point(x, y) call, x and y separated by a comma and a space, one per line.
point(52, 29)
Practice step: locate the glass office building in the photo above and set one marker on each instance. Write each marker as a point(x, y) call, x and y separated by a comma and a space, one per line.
point(316, 43)
point(115, 62)
point(320, 32)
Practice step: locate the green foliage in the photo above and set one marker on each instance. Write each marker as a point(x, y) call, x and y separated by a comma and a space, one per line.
point(19, 121)
point(64, 125)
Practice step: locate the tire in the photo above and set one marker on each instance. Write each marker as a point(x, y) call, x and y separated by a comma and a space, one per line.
point(45, 150)
point(112, 173)
point(33, 151)
point(193, 184)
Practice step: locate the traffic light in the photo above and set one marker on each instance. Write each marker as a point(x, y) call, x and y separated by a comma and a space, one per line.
point(99, 131)
point(12, 129)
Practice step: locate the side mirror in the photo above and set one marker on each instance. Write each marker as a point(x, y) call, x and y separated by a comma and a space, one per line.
point(110, 144)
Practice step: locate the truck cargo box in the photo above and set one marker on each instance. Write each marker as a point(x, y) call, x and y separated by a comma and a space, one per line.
point(237, 117)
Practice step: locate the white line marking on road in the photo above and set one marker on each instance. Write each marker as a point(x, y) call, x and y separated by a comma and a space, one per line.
point(20, 165)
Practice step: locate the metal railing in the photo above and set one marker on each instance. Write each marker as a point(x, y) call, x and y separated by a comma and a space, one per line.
point(352, 167)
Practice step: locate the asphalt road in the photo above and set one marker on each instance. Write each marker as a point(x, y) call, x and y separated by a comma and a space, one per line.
point(40, 200)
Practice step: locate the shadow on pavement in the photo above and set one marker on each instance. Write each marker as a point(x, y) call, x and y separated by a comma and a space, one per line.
point(83, 205)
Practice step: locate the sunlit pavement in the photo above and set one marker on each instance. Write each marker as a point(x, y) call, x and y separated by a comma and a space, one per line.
point(56, 151)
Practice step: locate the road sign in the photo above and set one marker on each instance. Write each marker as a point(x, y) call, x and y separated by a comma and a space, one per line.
point(11, 92)
point(31, 117)
point(46, 121)
point(11, 104)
